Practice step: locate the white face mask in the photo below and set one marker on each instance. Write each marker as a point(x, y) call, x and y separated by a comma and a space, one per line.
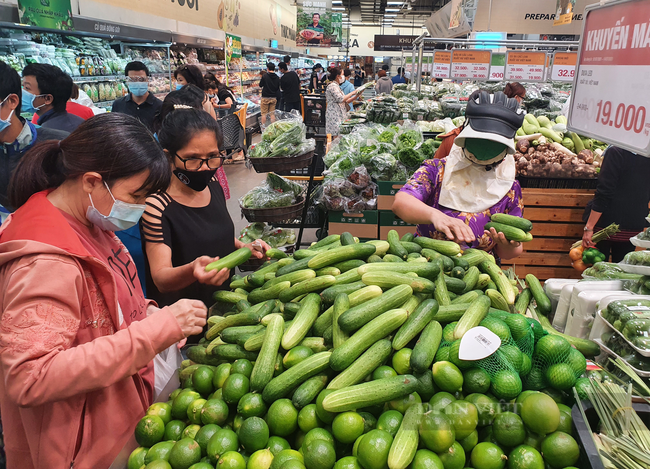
point(122, 216)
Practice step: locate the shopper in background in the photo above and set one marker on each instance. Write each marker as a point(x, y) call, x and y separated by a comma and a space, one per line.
point(16, 134)
point(347, 87)
point(46, 91)
point(622, 197)
point(222, 97)
point(290, 85)
point(270, 84)
point(399, 78)
point(317, 79)
point(287, 61)
point(140, 102)
point(359, 76)
point(73, 108)
point(191, 75)
point(337, 109)
point(186, 226)
point(78, 336)
point(453, 198)
point(384, 84)
point(515, 90)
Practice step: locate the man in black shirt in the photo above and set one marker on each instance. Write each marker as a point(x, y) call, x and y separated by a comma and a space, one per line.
point(139, 103)
point(46, 91)
point(270, 84)
point(290, 84)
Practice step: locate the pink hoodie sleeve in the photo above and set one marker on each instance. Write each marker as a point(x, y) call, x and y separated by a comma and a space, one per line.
point(41, 317)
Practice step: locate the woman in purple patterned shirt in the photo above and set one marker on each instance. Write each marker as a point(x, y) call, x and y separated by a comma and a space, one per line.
point(453, 198)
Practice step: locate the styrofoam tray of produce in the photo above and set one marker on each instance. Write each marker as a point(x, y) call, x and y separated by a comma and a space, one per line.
point(641, 243)
point(584, 313)
point(635, 269)
point(645, 353)
point(590, 285)
point(599, 325)
point(553, 288)
point(644, 374)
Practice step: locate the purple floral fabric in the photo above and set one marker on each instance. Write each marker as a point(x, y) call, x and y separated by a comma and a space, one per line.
point(425, 185)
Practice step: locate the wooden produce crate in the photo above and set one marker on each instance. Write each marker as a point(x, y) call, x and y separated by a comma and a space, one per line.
point(557, 224)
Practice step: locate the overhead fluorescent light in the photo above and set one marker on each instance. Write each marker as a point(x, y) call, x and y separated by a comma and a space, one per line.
point(338, 8)
point(390, 16)
point(394, 3)
point(337, 2)
point(392, 9)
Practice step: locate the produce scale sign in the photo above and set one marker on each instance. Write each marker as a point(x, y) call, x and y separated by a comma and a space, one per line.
point(564, 66)
point(525, 66)
point(441, 64)
point(611, 89)
point(470, 64)
point(52, 14)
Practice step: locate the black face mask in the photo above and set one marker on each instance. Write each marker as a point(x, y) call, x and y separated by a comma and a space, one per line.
point(195, 180)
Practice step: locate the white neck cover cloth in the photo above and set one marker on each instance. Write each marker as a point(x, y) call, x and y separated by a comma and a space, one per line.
point(468, 187)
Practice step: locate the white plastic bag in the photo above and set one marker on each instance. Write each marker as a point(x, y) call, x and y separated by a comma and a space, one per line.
point(165, 364)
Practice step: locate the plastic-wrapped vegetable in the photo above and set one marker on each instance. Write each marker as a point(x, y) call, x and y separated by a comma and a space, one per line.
point(281, 184)
point(281, 127)
point(387, 136)
point(367, 151)
point(410, 137)
point(266, 197)
point(260, 150)
point(637, 258)
point(410, 158)
point(382, 166)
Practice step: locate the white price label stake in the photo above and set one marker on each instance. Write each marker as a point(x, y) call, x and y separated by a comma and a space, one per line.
point(477, 343)
point(564, 66)
point(611, 90)
point(525, 66)
point(497, 72)
point(441, 64)
point(470, 64)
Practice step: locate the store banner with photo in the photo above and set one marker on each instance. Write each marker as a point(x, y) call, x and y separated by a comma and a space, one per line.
point(52, 14)
point(318, 25)
point(456, 13)
point(233, 47)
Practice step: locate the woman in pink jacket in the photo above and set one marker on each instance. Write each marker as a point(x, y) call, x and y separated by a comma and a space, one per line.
point(77, 337)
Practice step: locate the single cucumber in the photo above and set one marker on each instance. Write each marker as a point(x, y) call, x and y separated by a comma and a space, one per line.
point(231, 335)
point(405, 444)
point(293, 277)
point(476, 312)
point(199, 355)
point(275, 253)
point(483, 281)
point(500, 280)
point(283, 384)
point(467, 297)
point(414, 255)
point(307, 286)
point(239, 283)
point(517, 222)
point(245, 318)
point(448, 248)
point(350, 276)
point(301, 254)
point(230, 261)
point(497, 299)
point(329, 294)
point(232, 352)
point(356, 298)
point(292, 267)
point(523, 300)
point(411, 247)
point(408, 237)
point(510, 232)
point(325, 241)
point(309, 390)
point(341, 305)
point(303, 321)
point(392, 258)
point(316, 344)
point(242, 305)
point(429, 270)
point(361, 340)
point(349, 265)
point(543, 302)
point(363, 366)
point(328, 335)
point(291, 309)
point(396, 247)
point(460, 262)
point(265, 363)
point(374, 258)
point(426, 347)
point(258, 295)
point(471, 278)
point(368, 394)
point(225, 296)
point(587, 347)
point(474, 256)
point(387, 280)
point(347, 239)
point(417, 321)
point(343, 253)
point(358, 316)
point(255, 280)
point(382, 246)
point(432, 256)
point(455, 285)
point(331, 270)
point(441, 294)
point(413, 302)
point(447, 314)
point(452, 296)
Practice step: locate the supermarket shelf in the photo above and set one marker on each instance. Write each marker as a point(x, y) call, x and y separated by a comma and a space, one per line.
point(98, 78)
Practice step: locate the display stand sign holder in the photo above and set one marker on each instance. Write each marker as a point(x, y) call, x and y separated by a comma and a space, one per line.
point(470, 64)
point(441, 64)
point(564, 66)
point(526, 66)
point(611, 89)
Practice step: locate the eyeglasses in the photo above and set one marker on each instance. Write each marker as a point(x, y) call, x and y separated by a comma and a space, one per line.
point(137, 79)
point(195, 164)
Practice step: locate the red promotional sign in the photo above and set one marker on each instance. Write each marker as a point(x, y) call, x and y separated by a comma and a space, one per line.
point(611, 90)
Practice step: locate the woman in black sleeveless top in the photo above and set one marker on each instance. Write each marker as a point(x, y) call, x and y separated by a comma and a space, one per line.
point(188, 226)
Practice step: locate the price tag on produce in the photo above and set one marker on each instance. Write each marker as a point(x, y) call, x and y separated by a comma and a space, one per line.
point(441, 64)
point(497, 72)
point(470, 64)
point(564, 66)
point(525, 66)
point(611, 89)
point(477, 343)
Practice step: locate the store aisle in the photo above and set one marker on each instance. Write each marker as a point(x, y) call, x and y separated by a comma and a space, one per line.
point(241, 180)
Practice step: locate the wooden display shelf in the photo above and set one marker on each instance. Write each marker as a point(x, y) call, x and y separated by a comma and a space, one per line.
point(557, 224)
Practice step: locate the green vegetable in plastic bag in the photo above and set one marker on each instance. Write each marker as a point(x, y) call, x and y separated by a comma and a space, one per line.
point(281, 184)
point(410, 158)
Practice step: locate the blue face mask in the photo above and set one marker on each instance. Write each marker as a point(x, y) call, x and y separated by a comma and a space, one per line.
point(178, 86)
point(138, 88)
point(28, 102)
point(122, 217)
point(5, 123)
